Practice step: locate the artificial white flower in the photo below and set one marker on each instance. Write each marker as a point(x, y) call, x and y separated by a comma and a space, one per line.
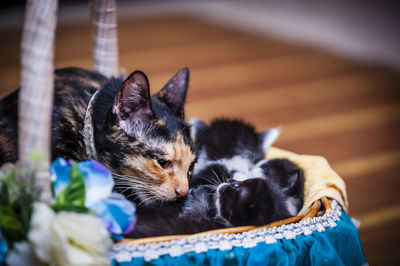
point(39, 233)
point(68, 238)
point(80, 239)
point(23, 254)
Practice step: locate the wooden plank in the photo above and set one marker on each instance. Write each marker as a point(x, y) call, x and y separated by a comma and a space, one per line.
point(368, 164)
point(202, 54)
point(350, 143)
point(248, 73)
point(302, 93)
point(380, 216)
point(357, 119)
point(340, 103)
point(286, 66)
point(381, 243)
point(373, 191)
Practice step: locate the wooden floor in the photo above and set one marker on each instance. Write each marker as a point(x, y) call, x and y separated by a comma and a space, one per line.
point(348, 112)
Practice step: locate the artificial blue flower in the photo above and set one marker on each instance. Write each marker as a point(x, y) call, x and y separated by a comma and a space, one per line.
point(98, 179)
point(117, 213)
point(3, 250)
point(59, 174)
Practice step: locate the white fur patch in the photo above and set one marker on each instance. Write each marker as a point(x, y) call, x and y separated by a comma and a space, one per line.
point(239, 176)
point(291, 204)
point(257, 171)
point(241, 166)
point(270, 137)
point(202, 162)
point(195, 126)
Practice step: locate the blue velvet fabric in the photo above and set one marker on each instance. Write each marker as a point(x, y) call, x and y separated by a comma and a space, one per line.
point(335, 246)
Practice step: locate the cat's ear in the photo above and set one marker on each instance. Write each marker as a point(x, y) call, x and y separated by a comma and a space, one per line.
point(268, 137)
point(196, 126)
point(293, 181)
point(133, 99)
point(173, 94)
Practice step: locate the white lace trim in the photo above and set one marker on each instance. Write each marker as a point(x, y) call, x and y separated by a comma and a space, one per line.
point(199, 244)
point(87, 132)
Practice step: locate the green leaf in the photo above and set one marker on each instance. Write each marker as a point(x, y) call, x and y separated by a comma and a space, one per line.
point(74, 194)
point(9, 220)
point(70, 208)
point(16, 199)
point(10, 226)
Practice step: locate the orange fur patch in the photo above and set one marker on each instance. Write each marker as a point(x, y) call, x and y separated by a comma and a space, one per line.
point(163, 183)
point(159, 174)
point(181, 156)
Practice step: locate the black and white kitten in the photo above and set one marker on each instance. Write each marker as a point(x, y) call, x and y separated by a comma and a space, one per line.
point(252, 190)
point(233, 184)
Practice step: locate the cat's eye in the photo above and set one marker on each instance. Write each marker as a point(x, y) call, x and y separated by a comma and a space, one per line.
point(190, 171)
point(164, 163)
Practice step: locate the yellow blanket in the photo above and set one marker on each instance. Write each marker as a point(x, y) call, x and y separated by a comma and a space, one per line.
point(320, 179)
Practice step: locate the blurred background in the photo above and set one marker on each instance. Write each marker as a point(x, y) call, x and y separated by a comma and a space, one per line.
point(328, 72)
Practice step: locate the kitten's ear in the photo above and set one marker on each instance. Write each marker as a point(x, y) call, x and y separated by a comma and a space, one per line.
point(268, 137)
point(196, 126)
point(133, 99)
point(292, 181)
point(173, 94)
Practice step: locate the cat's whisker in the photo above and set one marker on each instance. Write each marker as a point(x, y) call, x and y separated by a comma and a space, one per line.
point(126, 188)
point(119, 176)
point(122, 186)
point(225, 177)
point(133, 194)
point(147, 200)
point(131, 180)
point(214, 187)
point(217, 177)
point(129, 184)
point(212, 181)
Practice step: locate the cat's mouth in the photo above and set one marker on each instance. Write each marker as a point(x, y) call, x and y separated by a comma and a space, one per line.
point(219, 203)
point(225, 187)
point(232, 186)
point(226, 193)
point(233, 196)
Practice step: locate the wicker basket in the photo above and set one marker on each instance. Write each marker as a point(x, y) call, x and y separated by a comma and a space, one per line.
point(315, 211)
point(325, 236)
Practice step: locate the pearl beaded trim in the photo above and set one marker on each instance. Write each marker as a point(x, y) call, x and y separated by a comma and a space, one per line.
point(202, 243)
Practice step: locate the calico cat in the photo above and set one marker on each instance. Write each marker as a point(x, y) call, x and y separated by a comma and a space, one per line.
point(143, 139)
point(232, 185)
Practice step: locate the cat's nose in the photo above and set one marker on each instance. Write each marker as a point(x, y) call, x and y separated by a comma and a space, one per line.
point(180, 192)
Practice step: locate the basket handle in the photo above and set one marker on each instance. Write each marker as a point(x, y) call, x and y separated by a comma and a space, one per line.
point(105, 39)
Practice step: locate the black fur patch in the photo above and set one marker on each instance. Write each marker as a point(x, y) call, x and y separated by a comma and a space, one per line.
point(225, 138)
